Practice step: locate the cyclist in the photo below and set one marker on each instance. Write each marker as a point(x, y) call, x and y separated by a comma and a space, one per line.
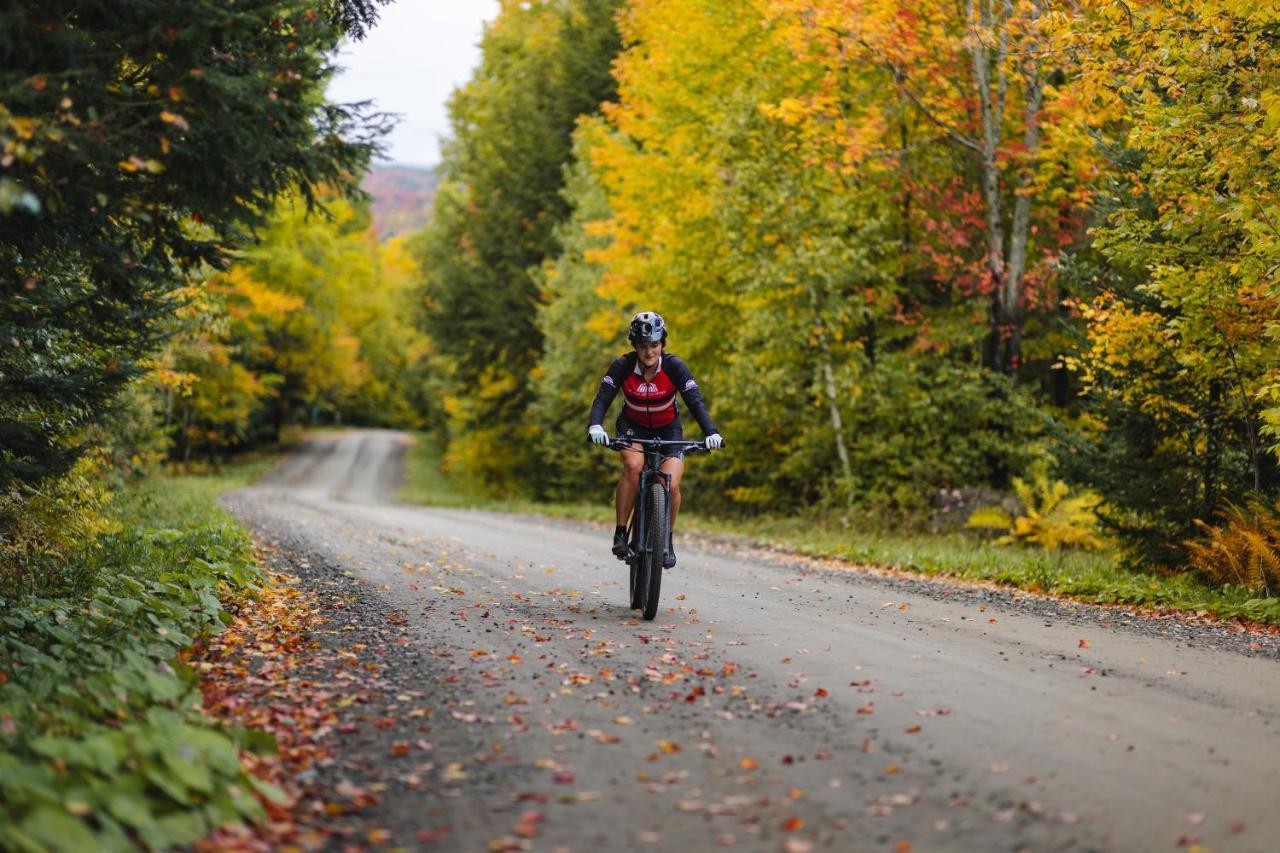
point(649, 378)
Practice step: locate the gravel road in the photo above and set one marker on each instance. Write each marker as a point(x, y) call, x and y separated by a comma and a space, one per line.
point(775, 703)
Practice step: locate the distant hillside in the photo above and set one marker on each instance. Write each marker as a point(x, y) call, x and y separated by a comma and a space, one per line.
point(402, 197)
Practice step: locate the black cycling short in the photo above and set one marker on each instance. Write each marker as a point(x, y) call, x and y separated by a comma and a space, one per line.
point(624, 429)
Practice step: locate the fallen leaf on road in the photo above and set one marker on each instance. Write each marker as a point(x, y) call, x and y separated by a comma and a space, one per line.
point(913, 728)
point(1084, 644)
point(748, 764)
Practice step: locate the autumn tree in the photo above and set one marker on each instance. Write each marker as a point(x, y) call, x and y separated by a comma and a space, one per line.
point(1181, 359)
point(312, 325)
point(138, 144)
point(543, 65)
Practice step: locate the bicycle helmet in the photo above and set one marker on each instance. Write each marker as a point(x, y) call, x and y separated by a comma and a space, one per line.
point(647, 327)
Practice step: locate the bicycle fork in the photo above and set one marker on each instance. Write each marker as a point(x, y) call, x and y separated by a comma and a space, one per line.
point(640, 513)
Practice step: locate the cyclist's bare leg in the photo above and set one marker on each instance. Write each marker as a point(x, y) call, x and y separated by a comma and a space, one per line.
point(674, 467)
point(624, 498)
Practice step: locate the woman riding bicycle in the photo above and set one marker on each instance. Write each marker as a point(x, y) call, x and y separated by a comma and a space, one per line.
point(649, 378)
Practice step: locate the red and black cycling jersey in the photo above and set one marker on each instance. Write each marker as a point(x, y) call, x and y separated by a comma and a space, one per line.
point(651, 403)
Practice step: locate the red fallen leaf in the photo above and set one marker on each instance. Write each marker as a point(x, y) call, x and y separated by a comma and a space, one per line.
point(868, 708)
point(531, 816)
point(820, 693)
point(991, 621)
point(822, 756)
point(912, 729)
point(348, 728)
point(1237, 826)
point(1084, 644)
point(792, 824)
point(426, 836)
point(787, 759)
point(748, 764)
point(400, 748)
point(563, 778)
point(526, 830)
point(902, 847)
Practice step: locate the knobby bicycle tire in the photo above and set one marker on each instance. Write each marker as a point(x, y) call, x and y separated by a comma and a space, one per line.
point(657, 542)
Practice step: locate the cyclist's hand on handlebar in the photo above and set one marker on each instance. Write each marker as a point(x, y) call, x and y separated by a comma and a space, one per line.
point(714, 441)
point(597, 434)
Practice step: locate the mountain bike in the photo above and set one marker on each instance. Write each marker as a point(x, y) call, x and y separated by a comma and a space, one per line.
point(650, 520)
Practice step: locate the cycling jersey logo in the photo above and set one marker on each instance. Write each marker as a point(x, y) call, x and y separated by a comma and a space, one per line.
point(647, 389)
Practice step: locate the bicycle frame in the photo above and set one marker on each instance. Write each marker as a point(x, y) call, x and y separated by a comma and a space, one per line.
point(652, 470)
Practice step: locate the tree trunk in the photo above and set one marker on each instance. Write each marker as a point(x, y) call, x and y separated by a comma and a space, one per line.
point(829, 383)
point(1006, 266)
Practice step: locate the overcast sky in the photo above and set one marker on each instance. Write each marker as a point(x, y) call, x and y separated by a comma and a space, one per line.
point(409, 63)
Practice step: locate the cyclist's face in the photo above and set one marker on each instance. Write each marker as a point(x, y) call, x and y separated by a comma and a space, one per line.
point(649, 353)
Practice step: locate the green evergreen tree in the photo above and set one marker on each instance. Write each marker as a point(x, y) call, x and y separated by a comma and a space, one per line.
point(139, 143)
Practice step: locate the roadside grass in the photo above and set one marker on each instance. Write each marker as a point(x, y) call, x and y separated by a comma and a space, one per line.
point(103, 745)
point(1093, 577)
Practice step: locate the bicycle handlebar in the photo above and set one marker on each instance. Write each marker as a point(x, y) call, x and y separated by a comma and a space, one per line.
point(617, 443)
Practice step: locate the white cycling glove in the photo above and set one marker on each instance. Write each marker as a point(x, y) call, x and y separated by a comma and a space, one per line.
point(714, 441)
point(598, 435)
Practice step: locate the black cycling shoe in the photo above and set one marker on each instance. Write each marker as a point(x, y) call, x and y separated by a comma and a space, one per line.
point(669, 561)
point(620, 547)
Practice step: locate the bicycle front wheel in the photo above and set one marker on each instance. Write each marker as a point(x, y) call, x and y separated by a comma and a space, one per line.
point(654, 554)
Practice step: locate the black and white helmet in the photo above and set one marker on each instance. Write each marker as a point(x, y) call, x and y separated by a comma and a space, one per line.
point(647, 327)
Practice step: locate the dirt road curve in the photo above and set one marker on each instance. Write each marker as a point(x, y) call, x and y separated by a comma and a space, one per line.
point(773, 705)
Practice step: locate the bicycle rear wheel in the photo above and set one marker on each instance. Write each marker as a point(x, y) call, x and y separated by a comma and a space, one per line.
point(657, 542)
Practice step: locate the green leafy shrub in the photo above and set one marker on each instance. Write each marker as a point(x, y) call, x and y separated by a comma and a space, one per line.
point(102, 742)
